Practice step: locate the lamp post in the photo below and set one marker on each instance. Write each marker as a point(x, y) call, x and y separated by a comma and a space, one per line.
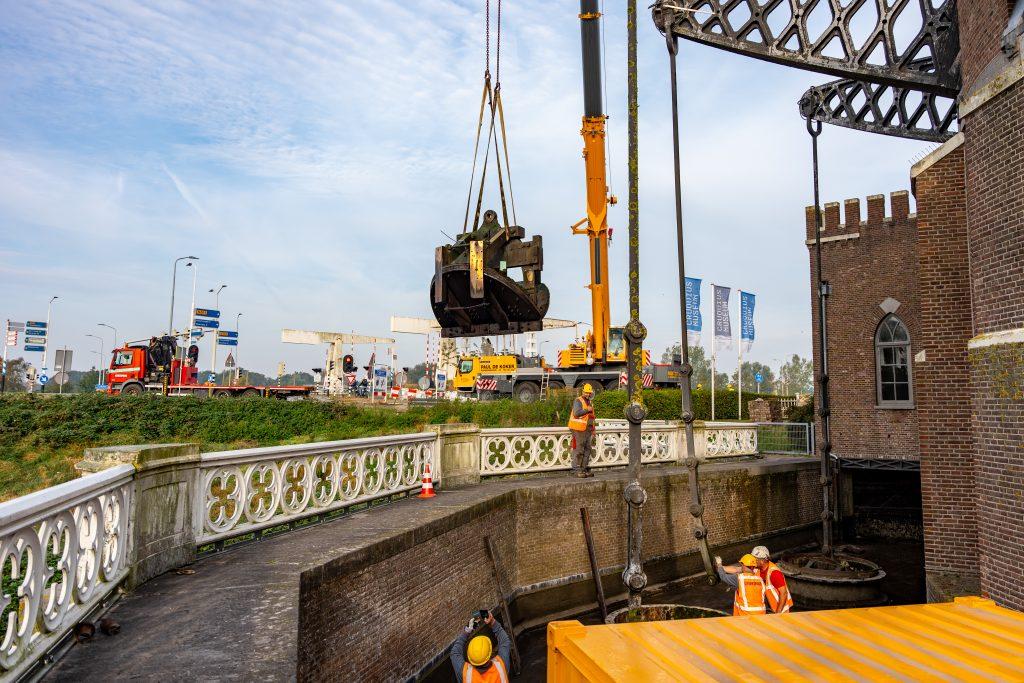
point(174, 279)
point(99, 365)
point(112, 328)
point(49, 334)
point(216, 306)
point(238, 367)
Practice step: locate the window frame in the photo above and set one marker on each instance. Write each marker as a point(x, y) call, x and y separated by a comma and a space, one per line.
point(880, 346)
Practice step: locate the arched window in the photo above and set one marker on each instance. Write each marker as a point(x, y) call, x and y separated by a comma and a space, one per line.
point(892, 361)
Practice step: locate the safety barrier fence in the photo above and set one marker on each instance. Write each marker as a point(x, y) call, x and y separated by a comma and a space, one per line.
point(785, 438)
point(248, 490)
point(144, 510)
point(63, 551)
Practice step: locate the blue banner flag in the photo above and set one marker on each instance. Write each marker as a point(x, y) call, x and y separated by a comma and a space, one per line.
point(747, 301)
point(694, 322)
point(723, 325)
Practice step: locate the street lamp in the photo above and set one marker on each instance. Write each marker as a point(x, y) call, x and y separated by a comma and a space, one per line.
point(174, 279)
point(99, 365)
point(46, 339)
point(216, 306)
point(238, 367)
point(112, 328)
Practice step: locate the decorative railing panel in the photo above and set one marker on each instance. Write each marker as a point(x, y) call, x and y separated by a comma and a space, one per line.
point(62, 550)
point(540, 449)
point(247, 490)
point(729, 438)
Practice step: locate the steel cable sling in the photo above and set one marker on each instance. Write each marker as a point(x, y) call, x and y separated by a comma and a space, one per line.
point(490, 99)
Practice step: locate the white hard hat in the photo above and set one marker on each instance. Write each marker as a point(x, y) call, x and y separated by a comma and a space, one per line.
point(761, 553)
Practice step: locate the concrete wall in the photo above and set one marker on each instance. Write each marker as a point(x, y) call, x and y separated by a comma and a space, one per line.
point(388, 601)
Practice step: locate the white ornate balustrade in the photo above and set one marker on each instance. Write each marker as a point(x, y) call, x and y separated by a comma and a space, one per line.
point(540, 449)
point(728, 438)
point(62, 551)
point(252, 489)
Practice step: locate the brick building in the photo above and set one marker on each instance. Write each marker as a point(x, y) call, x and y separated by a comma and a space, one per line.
point(964, 313)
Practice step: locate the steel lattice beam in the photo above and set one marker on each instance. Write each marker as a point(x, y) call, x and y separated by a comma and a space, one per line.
point(884, 109)
point(811, 28)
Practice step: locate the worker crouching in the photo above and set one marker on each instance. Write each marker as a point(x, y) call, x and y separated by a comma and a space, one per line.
point(744, 577)
point(475, 662)
point(581, 424)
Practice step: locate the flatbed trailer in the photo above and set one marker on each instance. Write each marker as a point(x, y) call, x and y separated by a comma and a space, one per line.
point(214, 390)
point(526, 383)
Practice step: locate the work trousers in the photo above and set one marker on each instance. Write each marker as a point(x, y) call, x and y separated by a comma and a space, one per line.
point(582, 450)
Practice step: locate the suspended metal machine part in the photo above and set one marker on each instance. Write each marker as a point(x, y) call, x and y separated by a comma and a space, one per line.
point(880, 84)
point(472, 293)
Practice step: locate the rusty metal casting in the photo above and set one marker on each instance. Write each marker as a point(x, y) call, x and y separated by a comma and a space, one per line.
point(633, 575)
point(881, 108)
point(808, 31)
point(686, 372)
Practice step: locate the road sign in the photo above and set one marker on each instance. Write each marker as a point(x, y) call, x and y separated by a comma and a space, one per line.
point(62, 359)
point(229, 362)
point(210, 377)
point(196, 333)
point(32, 340)
point(424, 383)
point(43, 379)
point(207, 313)
point(12, 338)
point(205, 322)
point(35, 331)
point(60, 378)
point(227, 342)
point(227, 333)
point(35, 323)
point(11, 325)
point(380, 372)
point(758, 378)
point(30, 347)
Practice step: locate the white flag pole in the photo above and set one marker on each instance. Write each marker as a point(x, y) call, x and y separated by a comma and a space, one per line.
point(714, 345)
point(739, 352)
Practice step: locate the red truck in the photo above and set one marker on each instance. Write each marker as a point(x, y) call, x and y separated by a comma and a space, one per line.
point(156, 368)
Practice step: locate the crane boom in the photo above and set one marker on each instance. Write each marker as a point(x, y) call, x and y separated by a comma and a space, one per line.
point(598, 199)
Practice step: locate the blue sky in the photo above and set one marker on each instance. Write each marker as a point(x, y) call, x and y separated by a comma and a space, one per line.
point(310, 154)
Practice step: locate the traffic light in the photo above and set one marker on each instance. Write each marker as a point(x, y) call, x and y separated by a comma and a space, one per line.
point(348, 363)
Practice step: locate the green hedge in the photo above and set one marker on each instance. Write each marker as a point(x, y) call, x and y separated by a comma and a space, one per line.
point(666, 404)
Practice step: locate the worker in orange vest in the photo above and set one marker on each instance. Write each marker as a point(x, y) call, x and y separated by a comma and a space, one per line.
point(779, 598)
point(750, 592)
point(581, 424)
point(476, 662)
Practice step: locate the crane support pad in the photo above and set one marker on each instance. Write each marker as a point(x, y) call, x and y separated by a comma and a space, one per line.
point(969, 639)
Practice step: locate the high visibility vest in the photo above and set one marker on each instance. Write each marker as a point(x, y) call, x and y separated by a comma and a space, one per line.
point(495, 673)
point(749, 595)
point(580, 424)
point(773, 593)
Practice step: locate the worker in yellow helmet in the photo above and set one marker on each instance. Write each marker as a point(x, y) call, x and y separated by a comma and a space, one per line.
point(474, 663)
point(581, 424)
point(744, 577)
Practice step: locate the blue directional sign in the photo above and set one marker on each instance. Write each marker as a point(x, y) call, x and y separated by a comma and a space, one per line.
point(207, 313)
point(35, 340)
point(380, 372)
point(758, 378)
point(227, 333)
point(204, 322)
point(31, 347)
point(34, 323)
point(35, 331)
point(197, 333)
point(227, 342)
point(43, 379)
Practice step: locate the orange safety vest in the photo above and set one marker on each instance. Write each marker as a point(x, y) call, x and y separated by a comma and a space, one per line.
point(749, 595)
point(495, 673)
point(773, 593)
point(580, 424)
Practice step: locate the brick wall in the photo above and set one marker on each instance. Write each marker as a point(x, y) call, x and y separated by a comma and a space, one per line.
point(994, 155)
point(866, 261)
point(385, 611)
point(981, 27)
point(943, 376)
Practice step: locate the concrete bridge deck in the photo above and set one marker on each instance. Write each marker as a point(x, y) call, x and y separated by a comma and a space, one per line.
point(233, 616)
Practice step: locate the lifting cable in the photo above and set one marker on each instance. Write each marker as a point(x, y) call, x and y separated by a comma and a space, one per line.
point(491, 99)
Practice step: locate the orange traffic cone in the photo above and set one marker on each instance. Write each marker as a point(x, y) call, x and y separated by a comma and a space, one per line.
point(428, 484)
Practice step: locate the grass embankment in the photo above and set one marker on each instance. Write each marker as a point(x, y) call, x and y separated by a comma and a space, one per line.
point(42, 438)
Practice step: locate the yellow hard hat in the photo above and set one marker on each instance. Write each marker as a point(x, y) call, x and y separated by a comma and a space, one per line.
point(479, 651)
point(587, 389)
point(748, 560)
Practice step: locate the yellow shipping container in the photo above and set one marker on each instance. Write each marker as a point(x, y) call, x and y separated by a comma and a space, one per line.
point(969, 639)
